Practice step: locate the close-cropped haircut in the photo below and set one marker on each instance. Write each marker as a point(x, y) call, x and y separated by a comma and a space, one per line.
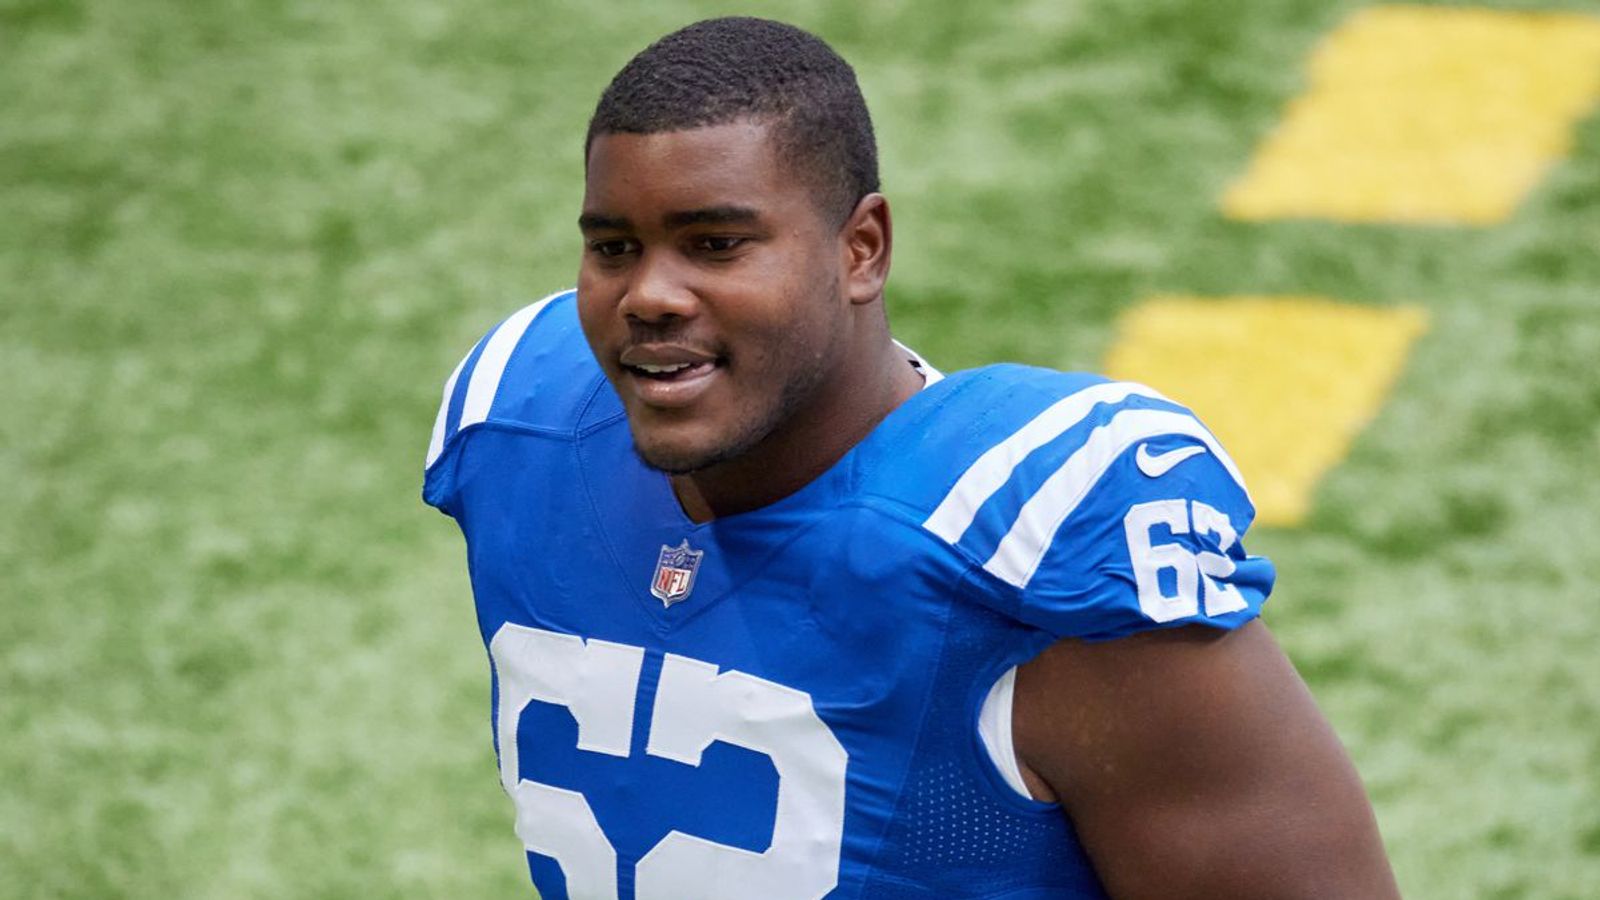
point(736, 69)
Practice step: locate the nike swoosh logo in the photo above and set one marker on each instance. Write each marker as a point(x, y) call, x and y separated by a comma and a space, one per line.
point(1162, 463)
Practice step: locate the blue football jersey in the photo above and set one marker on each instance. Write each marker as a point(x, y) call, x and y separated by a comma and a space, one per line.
point(785, 703)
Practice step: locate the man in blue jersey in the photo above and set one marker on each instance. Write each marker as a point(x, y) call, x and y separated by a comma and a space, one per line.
point(776, 610)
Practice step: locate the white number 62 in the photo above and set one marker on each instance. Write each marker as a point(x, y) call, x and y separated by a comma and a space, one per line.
point(1189, 569)
point(695, 706)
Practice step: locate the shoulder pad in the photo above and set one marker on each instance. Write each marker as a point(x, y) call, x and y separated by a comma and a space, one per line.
point(533, 371)
point(1035, 475)
point(958, 444)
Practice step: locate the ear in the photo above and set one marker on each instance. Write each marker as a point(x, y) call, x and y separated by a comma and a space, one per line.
point(865, 243)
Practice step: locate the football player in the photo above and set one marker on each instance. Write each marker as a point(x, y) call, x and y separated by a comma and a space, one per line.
point(777, 610)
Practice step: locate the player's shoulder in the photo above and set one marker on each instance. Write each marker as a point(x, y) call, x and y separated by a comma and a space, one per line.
point(531, 372)
point(1031, 475)
point(956, 447)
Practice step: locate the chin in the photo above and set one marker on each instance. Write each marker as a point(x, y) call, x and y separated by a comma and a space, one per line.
point(673, 460)
point(676, 455)
point(684, 455)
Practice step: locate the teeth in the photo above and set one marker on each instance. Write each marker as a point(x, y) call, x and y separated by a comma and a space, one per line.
point(661, 370)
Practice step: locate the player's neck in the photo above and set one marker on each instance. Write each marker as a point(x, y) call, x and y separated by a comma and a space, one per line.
point(804, 447)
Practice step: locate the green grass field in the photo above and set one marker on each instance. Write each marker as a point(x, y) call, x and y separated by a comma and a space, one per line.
point(242, 243)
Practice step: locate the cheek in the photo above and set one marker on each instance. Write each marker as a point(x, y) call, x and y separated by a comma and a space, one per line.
point(803, 313)
point(595, 306)
point(814, 320)
point(589, 292)
point(787, 354)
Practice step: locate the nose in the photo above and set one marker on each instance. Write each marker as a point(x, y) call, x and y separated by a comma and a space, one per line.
point(657, 292)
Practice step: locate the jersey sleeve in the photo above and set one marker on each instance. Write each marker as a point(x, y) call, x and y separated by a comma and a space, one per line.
point(1156, 541)
point(478, 388)
point(1110, 511)
point(438, 478)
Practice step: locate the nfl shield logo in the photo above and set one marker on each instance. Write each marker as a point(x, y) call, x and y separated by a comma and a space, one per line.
point(675, 572)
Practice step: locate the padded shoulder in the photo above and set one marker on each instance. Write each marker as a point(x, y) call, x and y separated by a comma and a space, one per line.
point(533, 371)
point(951, 448)
point(1087, 507)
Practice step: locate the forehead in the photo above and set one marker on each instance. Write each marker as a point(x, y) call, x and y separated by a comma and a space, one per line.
point(731, 164)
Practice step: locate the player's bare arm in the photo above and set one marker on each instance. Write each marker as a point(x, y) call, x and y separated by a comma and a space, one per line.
point(1194, 763)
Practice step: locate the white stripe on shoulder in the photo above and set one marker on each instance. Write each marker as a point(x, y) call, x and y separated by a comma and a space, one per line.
point(1024, 546)
point(436, 445)
point(993, 469)
point(491, 365)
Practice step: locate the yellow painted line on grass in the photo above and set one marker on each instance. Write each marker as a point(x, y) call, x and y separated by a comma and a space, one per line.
point(1426, 115)
point(1284, 382)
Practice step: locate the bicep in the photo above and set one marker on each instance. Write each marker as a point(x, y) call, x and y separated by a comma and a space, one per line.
point(1195, 763)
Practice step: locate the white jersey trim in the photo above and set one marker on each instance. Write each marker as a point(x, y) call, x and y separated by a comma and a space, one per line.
point(436, 443)
point(994, 730)
point(930, 375)
point(1022, 549)
point(993, 469)
point(491, 365)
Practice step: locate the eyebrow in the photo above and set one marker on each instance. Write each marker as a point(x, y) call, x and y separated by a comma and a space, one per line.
point(597, 222)
point(711, 215)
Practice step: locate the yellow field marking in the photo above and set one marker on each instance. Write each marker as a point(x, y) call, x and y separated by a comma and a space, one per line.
point(1284, 382)
point(1426, 115)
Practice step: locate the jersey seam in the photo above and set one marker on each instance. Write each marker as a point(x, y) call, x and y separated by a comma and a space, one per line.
point(925, 706)
point(896, 512)
point(914, 516)
point(993, 782)
point(579, 430)
point(605, 541)
point(453, 440)
point(510, 426)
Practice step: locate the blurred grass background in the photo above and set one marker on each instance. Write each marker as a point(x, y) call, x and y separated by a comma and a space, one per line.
point(243, 241)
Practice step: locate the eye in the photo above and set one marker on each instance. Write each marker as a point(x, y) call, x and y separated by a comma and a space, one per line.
point(610, 248)
point(719, 243)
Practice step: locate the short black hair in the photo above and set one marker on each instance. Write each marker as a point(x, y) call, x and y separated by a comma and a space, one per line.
point(735, 69)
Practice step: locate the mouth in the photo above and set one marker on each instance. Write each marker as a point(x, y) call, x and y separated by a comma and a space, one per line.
point(670, 377)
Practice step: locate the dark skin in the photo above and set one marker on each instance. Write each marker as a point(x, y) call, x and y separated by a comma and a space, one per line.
point(732, 310)
point(1195, 763)
point(702, 246)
